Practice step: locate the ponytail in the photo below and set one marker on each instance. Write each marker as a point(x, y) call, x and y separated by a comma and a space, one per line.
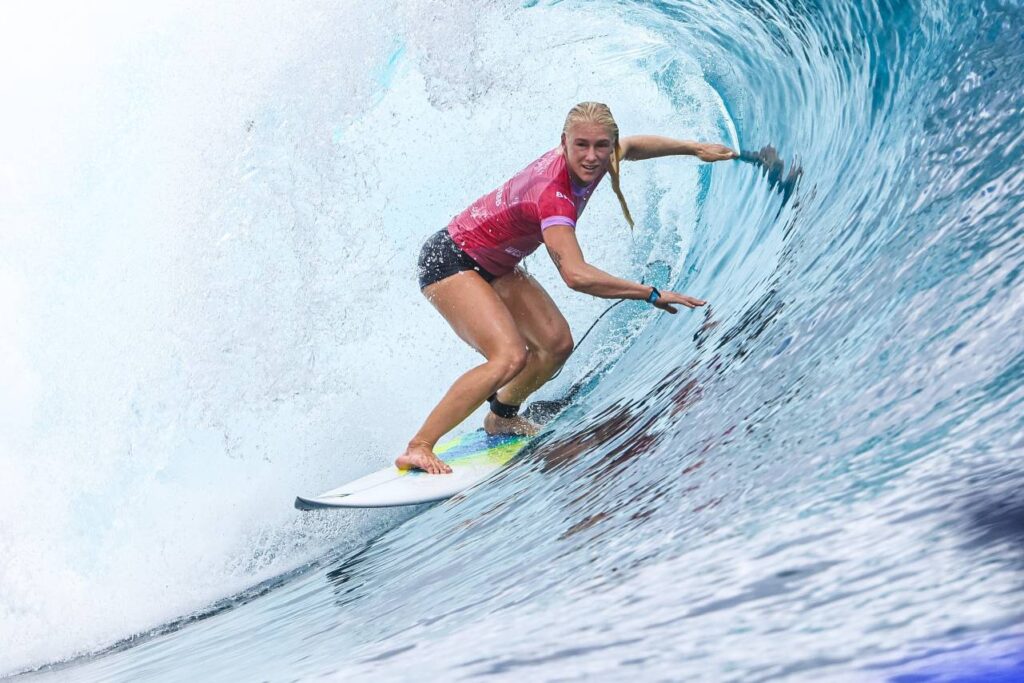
point(613, 171)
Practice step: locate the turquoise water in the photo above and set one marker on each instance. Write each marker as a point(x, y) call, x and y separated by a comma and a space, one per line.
point(211, 278)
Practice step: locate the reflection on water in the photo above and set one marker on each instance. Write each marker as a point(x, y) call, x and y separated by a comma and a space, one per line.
point(772, 169)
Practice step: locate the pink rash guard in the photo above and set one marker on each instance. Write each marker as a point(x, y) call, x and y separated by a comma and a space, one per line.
point(504, 226)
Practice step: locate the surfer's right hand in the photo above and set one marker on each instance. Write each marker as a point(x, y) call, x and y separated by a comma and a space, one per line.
point(420, 456)
point(666, 300)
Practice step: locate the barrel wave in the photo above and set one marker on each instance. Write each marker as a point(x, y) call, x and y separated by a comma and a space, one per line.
point(209, 278)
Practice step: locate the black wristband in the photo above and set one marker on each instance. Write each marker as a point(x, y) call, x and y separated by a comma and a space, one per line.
point(654, 295)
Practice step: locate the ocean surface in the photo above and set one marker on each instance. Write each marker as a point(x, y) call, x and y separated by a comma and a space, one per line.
point(209, 220)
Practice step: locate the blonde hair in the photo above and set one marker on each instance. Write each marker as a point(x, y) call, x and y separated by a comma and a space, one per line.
point(595, 112)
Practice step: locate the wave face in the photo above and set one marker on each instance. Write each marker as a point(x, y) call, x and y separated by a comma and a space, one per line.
point(208, 259)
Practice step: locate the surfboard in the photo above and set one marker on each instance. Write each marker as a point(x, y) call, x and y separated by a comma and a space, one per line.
point(472, 457)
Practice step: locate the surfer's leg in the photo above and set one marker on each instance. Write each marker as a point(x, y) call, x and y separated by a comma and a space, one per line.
point(547, 336)
point(482, 320)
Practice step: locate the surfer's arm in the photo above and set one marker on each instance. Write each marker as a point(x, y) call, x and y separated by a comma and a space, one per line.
point(637, 147)
point(582, 277)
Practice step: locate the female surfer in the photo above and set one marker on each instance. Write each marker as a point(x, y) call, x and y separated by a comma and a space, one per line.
point(469, 272)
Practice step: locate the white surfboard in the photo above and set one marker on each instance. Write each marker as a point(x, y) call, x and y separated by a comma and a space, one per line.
point(472, 457)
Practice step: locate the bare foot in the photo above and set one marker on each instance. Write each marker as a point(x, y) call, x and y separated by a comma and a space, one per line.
point(419, 456)
point(518, 425)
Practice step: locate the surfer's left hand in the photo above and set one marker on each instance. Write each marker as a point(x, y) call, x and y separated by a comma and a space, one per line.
point(716, 152)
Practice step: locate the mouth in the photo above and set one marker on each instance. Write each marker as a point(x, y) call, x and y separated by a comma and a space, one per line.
point(590, 169)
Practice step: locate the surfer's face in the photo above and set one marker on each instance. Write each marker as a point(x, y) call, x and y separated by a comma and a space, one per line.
point(587, 147)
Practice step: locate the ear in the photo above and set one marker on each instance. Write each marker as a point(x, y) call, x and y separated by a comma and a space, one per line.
point(563, 140)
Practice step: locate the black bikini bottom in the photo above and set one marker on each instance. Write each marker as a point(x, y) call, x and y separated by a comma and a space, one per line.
point(440, 257)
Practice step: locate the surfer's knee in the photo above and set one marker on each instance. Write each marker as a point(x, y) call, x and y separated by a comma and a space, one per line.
point(508, 363)
point(562, 348)
point(556, 351)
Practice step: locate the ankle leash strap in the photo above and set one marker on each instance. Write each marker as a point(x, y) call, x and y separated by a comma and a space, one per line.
point(502, 409)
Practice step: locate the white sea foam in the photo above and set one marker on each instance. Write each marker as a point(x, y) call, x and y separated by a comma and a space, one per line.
point(207, 296)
